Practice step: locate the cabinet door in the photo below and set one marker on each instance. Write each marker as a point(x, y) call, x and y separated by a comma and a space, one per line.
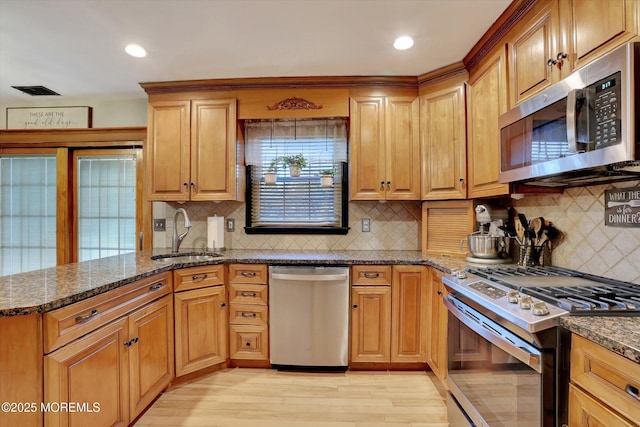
point(151, 363)
point(402, 148)
point(597, 26)
point(444, 144)
point(371, 324)
point(213, 149)
point(486, 101)
point(166, 151)
point(585, 411)
point(367, 148)
point(530, 52)
point(437, 328)
point(92, 370)
point(200, 329)
point(409, 314)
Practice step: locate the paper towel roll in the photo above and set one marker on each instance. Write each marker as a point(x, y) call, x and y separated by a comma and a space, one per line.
point(215, 232)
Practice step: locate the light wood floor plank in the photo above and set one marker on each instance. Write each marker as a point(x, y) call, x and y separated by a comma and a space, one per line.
point(265, 397)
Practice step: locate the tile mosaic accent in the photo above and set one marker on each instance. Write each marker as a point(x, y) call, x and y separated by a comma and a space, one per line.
point(394, 226)
point(588, 245)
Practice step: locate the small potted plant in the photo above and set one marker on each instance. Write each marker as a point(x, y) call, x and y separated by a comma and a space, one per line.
point(326, 177)
point(270, 174)
point(295, 163)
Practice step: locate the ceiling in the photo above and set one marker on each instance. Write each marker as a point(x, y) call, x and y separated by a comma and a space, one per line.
point(76, 47)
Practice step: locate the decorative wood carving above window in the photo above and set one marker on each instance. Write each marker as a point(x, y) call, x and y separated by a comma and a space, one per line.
point(294, 104)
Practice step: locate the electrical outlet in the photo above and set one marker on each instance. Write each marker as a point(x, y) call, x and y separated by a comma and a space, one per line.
point(366, 225)
point(231, 225)
point(159, 224)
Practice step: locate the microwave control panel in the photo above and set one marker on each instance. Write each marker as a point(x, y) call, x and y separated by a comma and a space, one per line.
point(605, 124)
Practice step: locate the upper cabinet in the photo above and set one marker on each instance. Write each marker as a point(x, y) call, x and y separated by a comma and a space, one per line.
point(191, 150)
point(486, 100)
point(385, 149)
point(557, 37)
point(443, 142)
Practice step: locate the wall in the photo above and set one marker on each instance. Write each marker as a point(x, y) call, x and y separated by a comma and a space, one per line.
point(588, 245)
point(106, 113)
point(394, 226)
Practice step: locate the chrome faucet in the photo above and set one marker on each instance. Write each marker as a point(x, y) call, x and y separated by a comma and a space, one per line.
point(177, 239)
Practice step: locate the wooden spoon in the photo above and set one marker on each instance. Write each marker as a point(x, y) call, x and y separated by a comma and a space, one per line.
point(536, 226)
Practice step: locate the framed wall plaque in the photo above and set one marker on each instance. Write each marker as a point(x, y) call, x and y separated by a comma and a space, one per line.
point(622, 207)
point(49, 117)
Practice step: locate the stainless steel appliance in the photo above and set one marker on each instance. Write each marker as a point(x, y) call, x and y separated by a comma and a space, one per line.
point(309, 317)
point(508, 358)
point(579, 131)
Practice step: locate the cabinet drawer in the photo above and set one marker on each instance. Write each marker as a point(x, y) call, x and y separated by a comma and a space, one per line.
point(606, 375)
point(371, 275)
point(249, 342)
point(65, 324)
point(244, 293)
point(248, 314)
point(198, 277)
point(584, 411)
point(248, 273)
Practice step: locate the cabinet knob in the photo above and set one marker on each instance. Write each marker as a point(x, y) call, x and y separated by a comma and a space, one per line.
point(461, 180)
point(551, 62)
point(439, 292)
point(224, 304)
point(388, 185)
point(561, 56)
point(248, 344)
point(128, 343)
point(355, 305)
point(192, 185)
point(185, 184)
point(632, 391)
point(382, 185)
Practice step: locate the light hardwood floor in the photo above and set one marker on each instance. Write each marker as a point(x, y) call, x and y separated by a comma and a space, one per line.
point(264, 397)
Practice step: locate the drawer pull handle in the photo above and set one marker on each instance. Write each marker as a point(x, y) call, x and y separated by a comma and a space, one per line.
point(128, 343)
point(248, 273)
point(248, 344)
point(81, 319)
point(198, 277)
point(155, 287)
point(248, 314)
point(371, 275)
point(632, 391)
point(248, 294)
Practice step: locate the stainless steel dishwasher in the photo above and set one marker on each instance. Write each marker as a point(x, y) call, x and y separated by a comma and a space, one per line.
point(309, 317)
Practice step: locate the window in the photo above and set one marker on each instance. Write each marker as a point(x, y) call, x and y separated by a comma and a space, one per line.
point(106, 203)
point(296, 204)
point(27, 212)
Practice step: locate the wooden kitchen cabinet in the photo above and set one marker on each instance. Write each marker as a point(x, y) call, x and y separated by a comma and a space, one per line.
point(444, 142)
point(384, 148)
point(190, 153)
point(388, 320)
point(486, 100)
point(437, 329)
point(200, 318)
point(248, 313)
point(601, 386)
point(409, 313)
point(121, 365)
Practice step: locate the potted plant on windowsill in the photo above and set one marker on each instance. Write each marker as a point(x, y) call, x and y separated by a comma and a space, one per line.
point(295, 163)
point(270, 174)
point(326, 177)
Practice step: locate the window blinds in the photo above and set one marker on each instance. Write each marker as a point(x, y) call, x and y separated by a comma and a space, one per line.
point(296, 201)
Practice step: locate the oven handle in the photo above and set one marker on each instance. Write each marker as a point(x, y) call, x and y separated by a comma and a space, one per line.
point(481, 327)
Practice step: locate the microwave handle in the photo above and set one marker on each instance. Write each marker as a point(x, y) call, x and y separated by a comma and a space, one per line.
point(572, 140)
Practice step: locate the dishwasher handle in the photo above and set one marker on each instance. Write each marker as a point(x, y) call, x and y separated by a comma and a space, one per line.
point(310, 277)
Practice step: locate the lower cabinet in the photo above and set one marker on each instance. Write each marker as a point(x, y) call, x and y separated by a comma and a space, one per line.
point(437, 329)
point(389, 314)
point(200, 318)
point(604, 387)
point(113, 373)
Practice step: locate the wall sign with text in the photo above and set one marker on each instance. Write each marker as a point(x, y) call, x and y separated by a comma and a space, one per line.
point(49, 117)
point(622, 207)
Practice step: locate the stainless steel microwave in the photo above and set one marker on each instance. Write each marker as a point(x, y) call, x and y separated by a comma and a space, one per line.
point(580, 131)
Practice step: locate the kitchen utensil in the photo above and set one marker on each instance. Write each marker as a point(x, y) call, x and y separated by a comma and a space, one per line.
point(536, 226)
point(510, 232)
point(631, 203)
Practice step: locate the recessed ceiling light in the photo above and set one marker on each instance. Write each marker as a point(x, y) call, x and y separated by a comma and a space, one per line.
point(403, 43)
point(136, 50)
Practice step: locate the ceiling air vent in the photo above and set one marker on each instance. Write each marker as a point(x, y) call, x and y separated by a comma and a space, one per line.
point(35, 90)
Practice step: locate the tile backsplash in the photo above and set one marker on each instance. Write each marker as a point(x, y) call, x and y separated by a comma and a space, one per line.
point(587, 245)
point(394, 226)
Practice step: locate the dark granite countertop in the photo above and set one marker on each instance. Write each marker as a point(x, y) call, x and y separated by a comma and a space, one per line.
point(51, 288)
point(618, 334)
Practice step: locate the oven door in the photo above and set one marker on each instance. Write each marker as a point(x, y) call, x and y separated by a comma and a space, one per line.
point(494, 376)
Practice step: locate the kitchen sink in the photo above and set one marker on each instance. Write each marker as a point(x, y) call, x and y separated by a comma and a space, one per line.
point(175, 258)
